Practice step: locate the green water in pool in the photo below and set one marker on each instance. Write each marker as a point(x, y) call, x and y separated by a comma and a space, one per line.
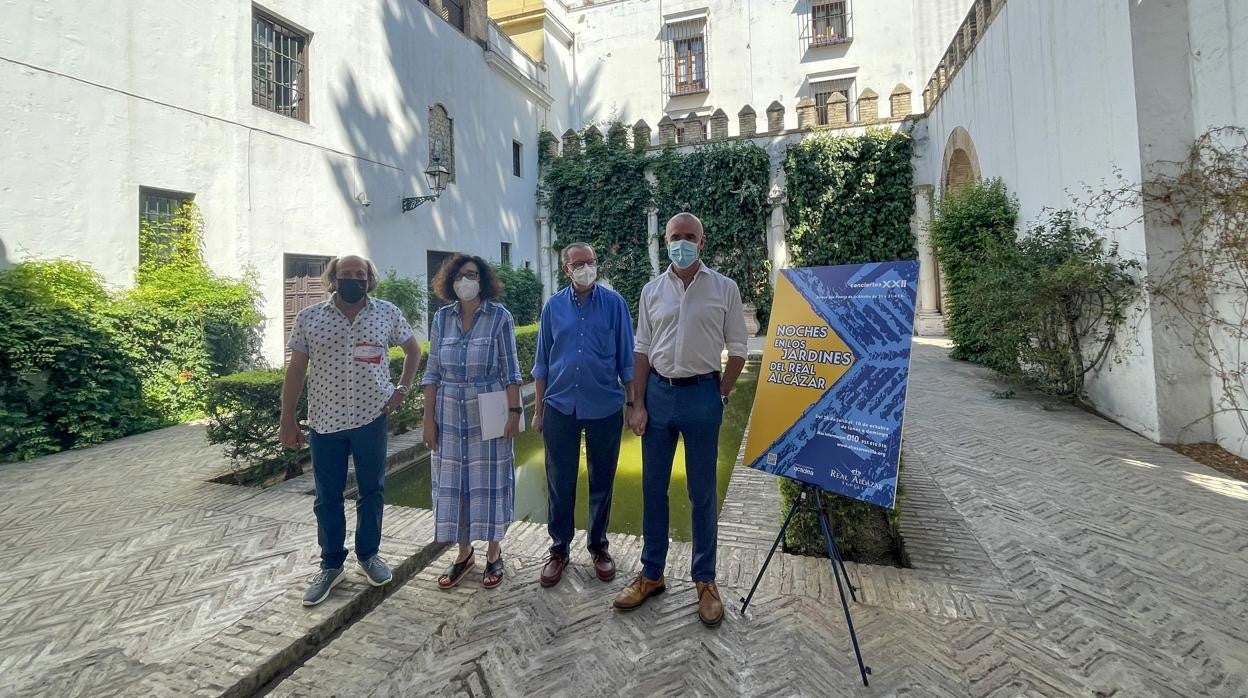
point(412, 488)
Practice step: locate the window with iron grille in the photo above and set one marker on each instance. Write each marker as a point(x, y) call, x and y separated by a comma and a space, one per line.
point(158, 209)
point(516, 158)
point(504, 254)
point(830, 23)
point(823, 92)
point(279, 62)
point(453, 12)
point(685, 58)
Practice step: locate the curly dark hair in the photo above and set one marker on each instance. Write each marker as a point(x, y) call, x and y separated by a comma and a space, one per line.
point(444, 282)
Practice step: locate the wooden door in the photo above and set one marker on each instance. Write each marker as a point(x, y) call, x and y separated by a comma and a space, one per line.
point(303, 287)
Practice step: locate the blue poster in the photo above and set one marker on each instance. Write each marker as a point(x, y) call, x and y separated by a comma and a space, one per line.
point(832, 385)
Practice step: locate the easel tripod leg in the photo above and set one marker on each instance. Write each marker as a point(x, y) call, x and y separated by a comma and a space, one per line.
point(745, 603)
point(835, 555)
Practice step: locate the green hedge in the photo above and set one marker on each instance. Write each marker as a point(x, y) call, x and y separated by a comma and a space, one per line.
point(522, 293)
point(967, 226)
point(244, 413)
point(864, 532)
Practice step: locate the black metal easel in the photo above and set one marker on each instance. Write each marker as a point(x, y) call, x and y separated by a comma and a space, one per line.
point(810, 493)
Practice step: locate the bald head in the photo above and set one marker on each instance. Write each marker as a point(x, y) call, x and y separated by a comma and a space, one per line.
point(684, 226)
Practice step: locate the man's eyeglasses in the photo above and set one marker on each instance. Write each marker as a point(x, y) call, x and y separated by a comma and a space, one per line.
point(582, 265)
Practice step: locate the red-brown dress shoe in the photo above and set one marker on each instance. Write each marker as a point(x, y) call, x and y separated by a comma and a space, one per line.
point(604, 566)
point(552, 571)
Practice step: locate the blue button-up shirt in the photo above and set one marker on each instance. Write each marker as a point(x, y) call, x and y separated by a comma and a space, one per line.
point(585, 352)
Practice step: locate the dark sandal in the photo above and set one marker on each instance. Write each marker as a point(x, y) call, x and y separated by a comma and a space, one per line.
point(456, 573)
point(492, 570)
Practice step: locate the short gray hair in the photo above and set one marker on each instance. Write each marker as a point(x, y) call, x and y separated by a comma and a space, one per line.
point(563, 256)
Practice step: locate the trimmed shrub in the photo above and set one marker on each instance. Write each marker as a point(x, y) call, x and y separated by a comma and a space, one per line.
point(244, 411)
point(967, 225)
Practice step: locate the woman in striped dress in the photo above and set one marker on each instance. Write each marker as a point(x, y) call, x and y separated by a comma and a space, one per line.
point(472, 350)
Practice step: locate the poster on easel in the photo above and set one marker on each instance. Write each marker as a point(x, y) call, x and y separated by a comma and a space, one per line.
point(832, 385)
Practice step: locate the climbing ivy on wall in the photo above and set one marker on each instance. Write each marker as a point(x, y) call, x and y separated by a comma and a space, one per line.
point(726, 187)
point(601, 196)
point(850, 199)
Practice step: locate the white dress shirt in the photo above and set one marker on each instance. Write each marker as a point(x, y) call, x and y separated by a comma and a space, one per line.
point(683, 331)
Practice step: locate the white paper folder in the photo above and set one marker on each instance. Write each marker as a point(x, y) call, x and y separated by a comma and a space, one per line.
point(494, 414)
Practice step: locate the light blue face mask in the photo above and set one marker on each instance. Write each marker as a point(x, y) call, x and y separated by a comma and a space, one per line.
point(683, 253)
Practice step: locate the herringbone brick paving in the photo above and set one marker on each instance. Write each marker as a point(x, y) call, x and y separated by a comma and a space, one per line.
point(121, 562)
point(1054, 554)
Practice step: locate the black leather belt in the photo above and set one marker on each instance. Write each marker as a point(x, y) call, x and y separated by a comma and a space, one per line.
point(691, 380)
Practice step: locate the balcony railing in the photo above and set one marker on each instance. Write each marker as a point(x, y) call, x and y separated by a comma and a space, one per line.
point(498, 42)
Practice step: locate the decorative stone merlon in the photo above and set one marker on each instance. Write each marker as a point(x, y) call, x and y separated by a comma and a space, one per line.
point(667, 131)
point(693, 129)
point(641, 135)
point(571, 143)
point(719, 125)
point(775, 117)
point(899, 102)
point(550, 145)
point(593, 136)
point(838, 110)
point(868, 106)
point(807, 118)
point(747, 121)
point(617, 136)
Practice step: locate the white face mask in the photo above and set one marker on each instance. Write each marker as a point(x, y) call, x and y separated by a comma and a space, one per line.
point(467, 289)
point(586, 275)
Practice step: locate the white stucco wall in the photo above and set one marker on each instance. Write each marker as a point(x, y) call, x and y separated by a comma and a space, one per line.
point(94, 103)
point(1048, 97)
point(755, 55)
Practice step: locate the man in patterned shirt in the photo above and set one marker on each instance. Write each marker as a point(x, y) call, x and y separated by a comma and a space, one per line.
point(346, 340)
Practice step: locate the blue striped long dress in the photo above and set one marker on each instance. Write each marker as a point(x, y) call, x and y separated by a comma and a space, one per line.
point(473, 480)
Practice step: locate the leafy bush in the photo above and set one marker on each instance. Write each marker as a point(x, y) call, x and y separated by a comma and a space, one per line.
point(850, 199)
point(726, 186)
point(526, 349)
point(63, 381)
point(413, 409)
point(967, 226)
point(601, 197)
point(410, 295)
point(1057, 297)
point(244, 411)
point(864, 532)
point(522, 293)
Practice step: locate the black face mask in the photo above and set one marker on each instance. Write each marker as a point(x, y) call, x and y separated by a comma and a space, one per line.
point(352, 290)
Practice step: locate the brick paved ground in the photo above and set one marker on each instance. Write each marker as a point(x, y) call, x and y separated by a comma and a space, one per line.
point(1055, 554)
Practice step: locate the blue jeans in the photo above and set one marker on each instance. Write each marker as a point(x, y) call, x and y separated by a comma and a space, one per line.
point(561, 434)
point(367, 447)
point(693, 412)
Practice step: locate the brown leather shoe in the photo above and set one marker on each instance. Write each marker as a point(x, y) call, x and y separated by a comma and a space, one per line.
point(710, 608)
point(636, 593)
point(552, 571)
point(604, 566)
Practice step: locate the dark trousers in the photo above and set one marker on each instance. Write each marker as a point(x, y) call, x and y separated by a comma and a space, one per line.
point(367, 447)
point(693, 412)
point(561, 434)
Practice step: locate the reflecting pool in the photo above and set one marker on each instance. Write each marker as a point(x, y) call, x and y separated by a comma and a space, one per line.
point(411, 487)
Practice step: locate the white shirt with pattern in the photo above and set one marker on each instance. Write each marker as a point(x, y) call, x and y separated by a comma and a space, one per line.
point(349, 374)
point(684, 332)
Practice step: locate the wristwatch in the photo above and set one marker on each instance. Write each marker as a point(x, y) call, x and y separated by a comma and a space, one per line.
point(402, 388)
point(629, 403)
point(724, 399)
point(517, 410)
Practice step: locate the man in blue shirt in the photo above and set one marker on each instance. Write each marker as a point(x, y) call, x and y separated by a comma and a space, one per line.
point(584, 363)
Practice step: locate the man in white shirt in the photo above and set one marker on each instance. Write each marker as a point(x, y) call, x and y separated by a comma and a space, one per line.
point(345, 340)
point(686, 318)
